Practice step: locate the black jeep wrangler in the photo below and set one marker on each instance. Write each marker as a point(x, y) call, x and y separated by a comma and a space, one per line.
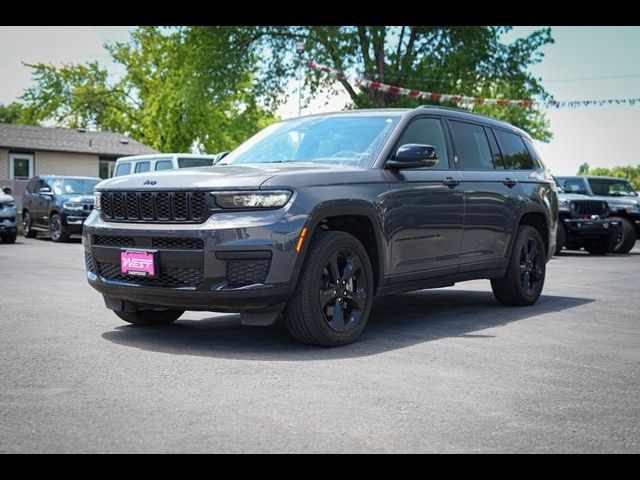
point(586, 223)
point(314, 217)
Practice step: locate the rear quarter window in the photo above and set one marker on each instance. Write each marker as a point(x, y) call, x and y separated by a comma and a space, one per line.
point(514, 152)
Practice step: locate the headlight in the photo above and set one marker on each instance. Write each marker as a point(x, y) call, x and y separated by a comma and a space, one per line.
point(260, 199)
point(72, 206)
point(8, 205)
point(96, 200)
point(564, 203)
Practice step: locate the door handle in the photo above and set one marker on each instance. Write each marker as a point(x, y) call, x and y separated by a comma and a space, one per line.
point(510, 182)
point(451, 182)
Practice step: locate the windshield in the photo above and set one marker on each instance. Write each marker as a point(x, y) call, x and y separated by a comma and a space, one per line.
point(609, 187)
point(63, 186)
point(337, 139)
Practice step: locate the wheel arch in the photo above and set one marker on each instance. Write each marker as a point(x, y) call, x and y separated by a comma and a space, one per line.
point(358, 218)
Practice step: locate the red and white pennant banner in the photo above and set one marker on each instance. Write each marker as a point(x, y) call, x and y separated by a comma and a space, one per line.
point(467, 101)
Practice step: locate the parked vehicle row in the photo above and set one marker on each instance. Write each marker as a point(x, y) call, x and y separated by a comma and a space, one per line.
point(164, 161)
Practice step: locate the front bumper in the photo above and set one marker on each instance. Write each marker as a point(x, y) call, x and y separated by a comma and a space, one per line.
point(73, 220)
point(232, 262)
point(591, 227)
point(8, 220)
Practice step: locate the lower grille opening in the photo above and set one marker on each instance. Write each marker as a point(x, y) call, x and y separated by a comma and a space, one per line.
point(247, 272)
point(167, 277)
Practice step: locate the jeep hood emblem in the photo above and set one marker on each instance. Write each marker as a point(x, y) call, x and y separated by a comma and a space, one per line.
point(150, 182)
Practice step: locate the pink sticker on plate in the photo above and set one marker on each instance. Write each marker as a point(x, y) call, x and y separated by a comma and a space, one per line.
point(138, 263)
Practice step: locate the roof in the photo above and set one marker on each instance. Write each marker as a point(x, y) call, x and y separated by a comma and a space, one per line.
point(571, 177)
point(159, 156)
point(30, 137)
point(449, 112)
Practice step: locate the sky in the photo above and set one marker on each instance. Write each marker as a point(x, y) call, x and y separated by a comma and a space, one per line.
point(583, 63)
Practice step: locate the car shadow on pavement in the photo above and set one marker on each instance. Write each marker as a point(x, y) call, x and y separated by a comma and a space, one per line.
point(396, 322)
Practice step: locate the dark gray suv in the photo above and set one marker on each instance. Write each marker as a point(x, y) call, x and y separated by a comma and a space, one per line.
point(314, 217)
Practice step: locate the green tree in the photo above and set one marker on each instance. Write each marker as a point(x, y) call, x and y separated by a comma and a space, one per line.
point(470, 61)
point(12, 113)
point(180, 89)
point(584, 169)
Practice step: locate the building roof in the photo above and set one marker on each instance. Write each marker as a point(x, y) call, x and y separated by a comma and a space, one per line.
point(29, 137)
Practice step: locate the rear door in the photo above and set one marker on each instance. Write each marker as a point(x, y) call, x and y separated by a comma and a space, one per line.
point(427, 206)
point(491, 194)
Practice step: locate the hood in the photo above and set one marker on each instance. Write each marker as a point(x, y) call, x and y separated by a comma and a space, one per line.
point(218, 177)
point(573, 196)
point(76, 197)
point(5, 198)
point(619, 202)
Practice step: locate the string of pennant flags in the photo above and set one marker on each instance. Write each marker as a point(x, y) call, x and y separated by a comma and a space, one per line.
point(464, 100)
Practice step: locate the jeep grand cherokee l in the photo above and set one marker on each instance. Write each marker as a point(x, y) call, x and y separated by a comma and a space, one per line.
point(57, 205)
point(314, 217)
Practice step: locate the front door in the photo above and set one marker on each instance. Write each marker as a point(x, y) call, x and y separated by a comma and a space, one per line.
point(427, 207)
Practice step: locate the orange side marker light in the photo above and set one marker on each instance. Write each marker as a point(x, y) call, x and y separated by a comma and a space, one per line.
point(303, 233)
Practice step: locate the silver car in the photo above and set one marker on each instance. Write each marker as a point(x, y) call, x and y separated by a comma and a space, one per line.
point(8, 217)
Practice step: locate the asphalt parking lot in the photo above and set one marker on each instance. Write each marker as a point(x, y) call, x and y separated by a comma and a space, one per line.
point(436, 371)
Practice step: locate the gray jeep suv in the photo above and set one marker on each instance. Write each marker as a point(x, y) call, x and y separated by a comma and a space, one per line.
point(314, 217)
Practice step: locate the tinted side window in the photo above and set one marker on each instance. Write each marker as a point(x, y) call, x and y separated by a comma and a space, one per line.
point(31, 186)
point(123, 169)
point(194, 162)
point(472, 146)
point(143, 167)
point(514, 152)
point(164, 165)
point(575, 186)
point(534, 153)
point(428, 131)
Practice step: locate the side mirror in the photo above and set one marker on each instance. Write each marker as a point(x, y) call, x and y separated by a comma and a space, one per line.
point(414, 155)
point(45, 191)
point(7, 190)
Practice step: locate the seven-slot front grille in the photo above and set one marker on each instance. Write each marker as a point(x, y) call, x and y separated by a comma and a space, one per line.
point(181, 207)
point(167, 277)
point(590, 207)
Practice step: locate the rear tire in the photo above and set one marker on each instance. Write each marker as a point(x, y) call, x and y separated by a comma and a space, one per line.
point(10, 237)
point(627, 238)
point(332, 301)
point(524, 280)
point(57, 229)
point(561, 238)
point(26, 226)
point(150, 318)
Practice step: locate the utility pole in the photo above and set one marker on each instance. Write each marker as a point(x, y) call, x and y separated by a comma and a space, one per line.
point(300, 52)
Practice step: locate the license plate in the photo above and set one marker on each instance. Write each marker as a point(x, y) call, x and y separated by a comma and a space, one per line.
point(138, 263)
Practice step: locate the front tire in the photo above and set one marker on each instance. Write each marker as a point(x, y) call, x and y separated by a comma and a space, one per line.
point(626, 238)
point(26, 226)
point(150, 318)
point(523, 282)
point(57, 230)
point(332, 301)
